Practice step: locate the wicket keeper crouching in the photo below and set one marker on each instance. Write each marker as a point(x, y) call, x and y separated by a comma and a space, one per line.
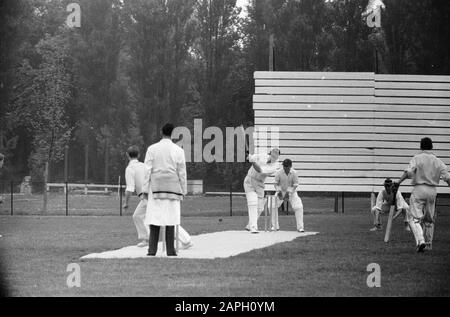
point(385, 200)
point(263, 165)
point(286, 183)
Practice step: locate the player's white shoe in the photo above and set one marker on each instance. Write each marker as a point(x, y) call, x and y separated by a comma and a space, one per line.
point(143, 244)
point(247, 228)
point(301, 230)
point(376, 228)
point(185, 246)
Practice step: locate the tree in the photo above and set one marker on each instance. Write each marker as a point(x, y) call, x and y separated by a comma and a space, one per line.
point(40, 106)
point(159, 37)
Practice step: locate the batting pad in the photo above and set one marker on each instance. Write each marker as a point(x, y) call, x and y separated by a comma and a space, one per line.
point(209, 245)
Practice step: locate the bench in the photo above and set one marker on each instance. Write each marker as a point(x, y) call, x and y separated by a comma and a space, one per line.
point(347, 132)
point(84, 188)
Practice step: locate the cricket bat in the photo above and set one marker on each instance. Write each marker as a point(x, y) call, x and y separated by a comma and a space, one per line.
point(389, 224)
point(372, 204)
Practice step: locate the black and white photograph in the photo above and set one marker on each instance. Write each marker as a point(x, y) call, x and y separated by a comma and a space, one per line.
point(225, 155)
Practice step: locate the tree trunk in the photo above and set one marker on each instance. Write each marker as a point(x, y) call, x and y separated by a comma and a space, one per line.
point(86, 162)
point(106, 162)
point(45, 202)
point(66, 163)
point(271, 44)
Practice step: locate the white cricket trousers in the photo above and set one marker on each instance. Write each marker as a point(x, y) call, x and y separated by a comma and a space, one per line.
point(254, 192)
point(296, 204)
point(422, 209)
point(143, 231)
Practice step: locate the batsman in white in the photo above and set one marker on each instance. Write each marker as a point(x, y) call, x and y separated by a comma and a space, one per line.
point(425, 171)
point(135, 176)
point(263, 165)
point(383, 205)
point(286, 183)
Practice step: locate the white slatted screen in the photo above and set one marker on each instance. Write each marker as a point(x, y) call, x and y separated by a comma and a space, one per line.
point(347, 132)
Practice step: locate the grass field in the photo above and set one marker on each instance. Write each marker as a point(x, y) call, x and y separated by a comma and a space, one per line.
point(35, 252)
point(101, 205)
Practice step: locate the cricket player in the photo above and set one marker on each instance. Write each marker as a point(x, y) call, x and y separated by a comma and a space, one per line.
point(385, 200)
point(425, 171)
point(167, 185)
point(135, 176)
point(263, 165)
point(286, 183)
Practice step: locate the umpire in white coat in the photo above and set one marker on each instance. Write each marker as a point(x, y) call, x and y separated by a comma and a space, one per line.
point(136, 175)
point(167, 184)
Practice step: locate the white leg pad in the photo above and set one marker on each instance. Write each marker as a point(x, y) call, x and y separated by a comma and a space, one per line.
point(416, 229)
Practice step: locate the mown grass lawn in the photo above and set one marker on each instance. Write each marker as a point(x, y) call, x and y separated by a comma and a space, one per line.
point(35, 252)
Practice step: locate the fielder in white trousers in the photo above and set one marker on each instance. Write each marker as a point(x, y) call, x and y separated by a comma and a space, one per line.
point(425, 171)
point(135, 177)
point(286, 183)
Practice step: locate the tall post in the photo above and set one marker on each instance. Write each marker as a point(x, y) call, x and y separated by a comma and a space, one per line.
point(44, 207)
point(106, 162)
point(376, 61)
point(66, 175)
point(66, 163)
point(271, 57)
point(86, 162)
point(120, 196)
point(12, 197)
point(336, 203)
point(231, 199)
point(67, 199)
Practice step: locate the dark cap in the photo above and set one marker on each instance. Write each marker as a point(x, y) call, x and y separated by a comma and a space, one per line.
point(133, 151)
point(287, 162)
